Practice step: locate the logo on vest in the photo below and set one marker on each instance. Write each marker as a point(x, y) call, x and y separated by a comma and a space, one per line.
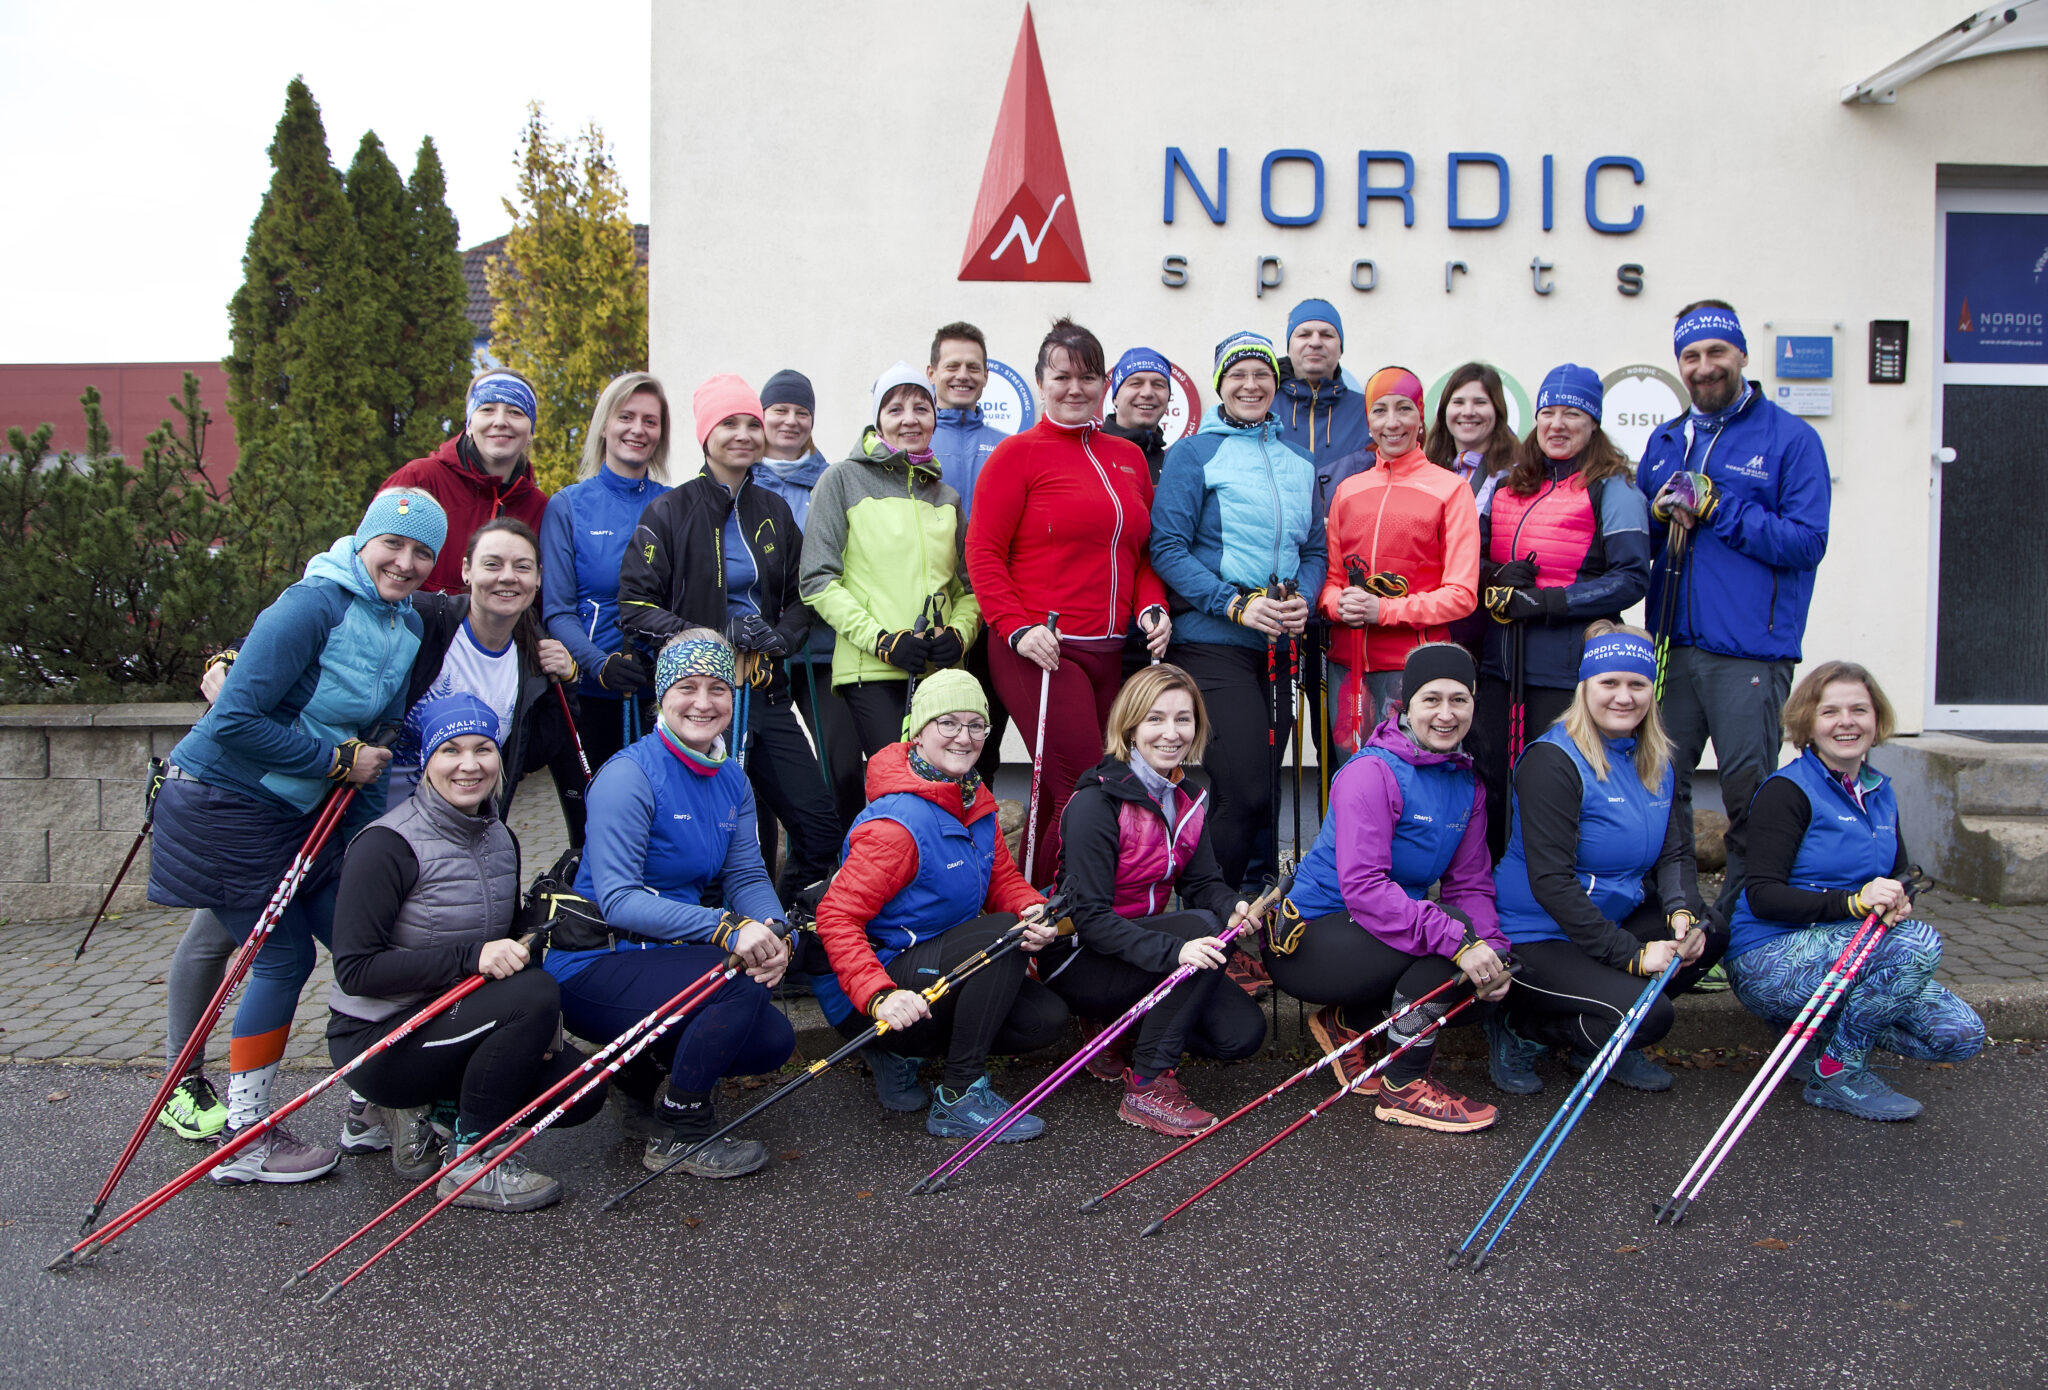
point(1024, 227)
point(956, 863)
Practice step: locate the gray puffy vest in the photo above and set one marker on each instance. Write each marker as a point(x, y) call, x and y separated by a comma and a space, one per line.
point(468, 888)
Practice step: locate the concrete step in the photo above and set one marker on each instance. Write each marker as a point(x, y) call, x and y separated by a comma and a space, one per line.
point(1975, 815)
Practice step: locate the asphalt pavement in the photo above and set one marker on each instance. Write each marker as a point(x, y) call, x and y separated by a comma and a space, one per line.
point(1828, 1252)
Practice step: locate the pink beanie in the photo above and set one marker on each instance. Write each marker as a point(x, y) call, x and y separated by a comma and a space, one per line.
point(722, 396)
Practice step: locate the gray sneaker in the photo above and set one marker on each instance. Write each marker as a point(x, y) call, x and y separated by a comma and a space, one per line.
point(418, 1145)
point(723, 1158)
point(277, 1156)
point(511, 1186)
point(362, 1128)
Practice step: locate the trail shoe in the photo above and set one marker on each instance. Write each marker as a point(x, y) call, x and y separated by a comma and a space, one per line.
point(418, 1144)
point(1713, 982)
point(511, 1186)
point(964, 1114)
point(1858, 1093)
point(193, 1111)
point(1248, 973)
point(688, 1120)
point(1511, 1059)
point(1428, 1104)
point(1330, 1034)
point(896, 1081)
point(1114, 1061)
point(1634, 1070)
point(278, 1155)
point(362, 1128)
point(1161, 1106)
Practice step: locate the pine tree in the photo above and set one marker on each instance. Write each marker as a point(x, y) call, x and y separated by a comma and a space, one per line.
point(571, 295)
point(378, 201)
point(434, 302)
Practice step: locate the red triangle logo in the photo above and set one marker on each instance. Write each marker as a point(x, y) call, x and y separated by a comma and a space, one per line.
point(1024, 223)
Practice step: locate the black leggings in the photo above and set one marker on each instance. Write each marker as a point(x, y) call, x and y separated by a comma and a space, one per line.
point(486, 1053)
point(996, 1009)
point(1338, 962)
point(1488, 745)
point(1565, 997)
point(1221, 1023)
point(785, 777)
point(878, 710)
point(601, 727)
point(1243, 756)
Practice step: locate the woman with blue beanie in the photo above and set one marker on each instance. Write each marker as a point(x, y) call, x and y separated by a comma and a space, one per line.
point(322, 671)
point(1592, 892)
point(1564, 540)
point(1234, 538)
point(1825, 853)
point(674, 865)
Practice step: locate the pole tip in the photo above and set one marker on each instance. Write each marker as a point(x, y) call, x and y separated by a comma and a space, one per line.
point(1479, 1263)
point(325, 1297)
point(916, 1188)
point(63, 1262)
point(292, 1283)
point(1090, 1205)
point(1155, 1228)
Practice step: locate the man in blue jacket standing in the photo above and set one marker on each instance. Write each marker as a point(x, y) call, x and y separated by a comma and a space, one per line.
point(1739, 498)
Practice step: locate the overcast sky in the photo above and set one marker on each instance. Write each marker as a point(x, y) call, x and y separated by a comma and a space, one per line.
point(133, 140)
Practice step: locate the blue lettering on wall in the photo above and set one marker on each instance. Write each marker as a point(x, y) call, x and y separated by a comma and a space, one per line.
point(1309, 157)
point(1593, 218)
point(1405, 190)
point(1217, 209)
point(1500, 168)
point(1548, 161)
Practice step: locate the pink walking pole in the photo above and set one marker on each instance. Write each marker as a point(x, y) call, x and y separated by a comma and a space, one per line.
point(1052, 625)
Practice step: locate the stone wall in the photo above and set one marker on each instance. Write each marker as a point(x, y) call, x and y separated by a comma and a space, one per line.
point(71, 785)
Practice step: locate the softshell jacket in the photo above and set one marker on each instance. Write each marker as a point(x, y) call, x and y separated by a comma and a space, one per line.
point(884, 535)
point(1062, 517)
point(583, 542)
point(470, 495)
point(1591, 539)
point(1748, 572)
point(1324, 419)
point(673, 575)
point(537, 733)
point(963, 440)
point(1846, 844)
point(1121, 860)
point(1417, 520)
point(1403, 819)
point(793, 481)
point(1233, 511)
point(1151, 439)
point(917, 864)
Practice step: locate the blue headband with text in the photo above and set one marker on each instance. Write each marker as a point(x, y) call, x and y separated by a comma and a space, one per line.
point(1707, 323)
point(1618, 651)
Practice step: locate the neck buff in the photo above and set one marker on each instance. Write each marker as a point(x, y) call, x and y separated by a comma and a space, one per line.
point(1159, 784)
point(969, 784)
point(1701, 420)
point(703, 764)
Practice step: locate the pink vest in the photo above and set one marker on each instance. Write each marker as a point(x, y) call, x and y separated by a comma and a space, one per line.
point(1557, 523)
point(1149, 860)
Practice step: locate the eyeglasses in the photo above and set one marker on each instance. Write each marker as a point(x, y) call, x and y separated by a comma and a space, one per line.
point(953, 728)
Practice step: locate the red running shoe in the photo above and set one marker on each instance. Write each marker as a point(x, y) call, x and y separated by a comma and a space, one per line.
point(1161, 1106)
point(1113, 1061)
point(1248, 973)
point(1428, 1105)
point(1330, 1034)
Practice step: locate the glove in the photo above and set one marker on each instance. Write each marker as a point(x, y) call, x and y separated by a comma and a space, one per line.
point(1243, 601)
point(1695, 492)
point(345, 759)
point(753, 634)
point(1523, 604)
point(623, 673)
point(1386, 584)
point(905, 650)
point(1515, 574)
point(946, 647)
point(224, 657)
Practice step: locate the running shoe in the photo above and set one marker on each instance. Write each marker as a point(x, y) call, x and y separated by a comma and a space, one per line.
point(1248, 973)
point(193, 1110)
point(362, 1128)
point(1427, 1103)
point(1114, 1061)
point(964, 1114)
point(1713, 982)
point(1858, 1093)
point(1634, 1069)
point(896, 1085)
point(1511, 1059)
point(277, 1156)
point(1330, 1034)
point(418, 1144)
point(509, 1187)
point(1161, 1106)
point(721, 1158)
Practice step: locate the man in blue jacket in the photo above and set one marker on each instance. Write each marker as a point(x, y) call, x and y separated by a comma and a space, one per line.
point(1739, 497)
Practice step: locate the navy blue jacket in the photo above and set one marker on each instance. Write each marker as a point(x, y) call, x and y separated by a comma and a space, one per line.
point(1324, 419)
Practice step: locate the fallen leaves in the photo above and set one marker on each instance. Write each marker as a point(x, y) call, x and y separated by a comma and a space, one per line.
point(1628, 1249)
point(693, 1222)
point(1897, 1305)
point(863, 1195)
point(1954, 1223)
point(1941, 1066)
point(285, 1221)
point(56, 1096)
point(1773, 1243)
point(790, 1155)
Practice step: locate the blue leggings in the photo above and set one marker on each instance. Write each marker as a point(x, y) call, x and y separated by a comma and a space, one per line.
point(1894, 1003)
point(263, 1020)
point(736, 1032)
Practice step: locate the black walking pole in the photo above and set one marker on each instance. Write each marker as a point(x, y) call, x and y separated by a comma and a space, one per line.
point(158, 770)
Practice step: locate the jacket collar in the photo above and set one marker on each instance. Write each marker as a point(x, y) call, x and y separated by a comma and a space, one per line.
point(889, 772)
point(449, 823)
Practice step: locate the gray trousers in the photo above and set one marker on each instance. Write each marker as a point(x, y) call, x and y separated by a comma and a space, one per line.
point(1735, 702)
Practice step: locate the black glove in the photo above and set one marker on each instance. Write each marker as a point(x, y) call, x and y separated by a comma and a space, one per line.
point(1515, 574)
point(753, 634)
point(1535, 603)
point(345, 759)
point(946, 647)
point(906, 650)
point(624, 673)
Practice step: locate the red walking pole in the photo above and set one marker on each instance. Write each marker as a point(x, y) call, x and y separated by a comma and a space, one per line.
point(576, 739)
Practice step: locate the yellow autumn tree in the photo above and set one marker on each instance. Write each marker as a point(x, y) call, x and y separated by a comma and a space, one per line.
point(571, 295)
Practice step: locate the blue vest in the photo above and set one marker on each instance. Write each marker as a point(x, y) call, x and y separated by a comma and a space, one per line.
point(695, 818)
point(1436, 806)
point(1621, 832)
point(954, 865)
point(1846, 845)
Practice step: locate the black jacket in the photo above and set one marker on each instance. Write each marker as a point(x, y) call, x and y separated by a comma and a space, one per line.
point(673, 575)
point(538, 731)
point(1151, 439)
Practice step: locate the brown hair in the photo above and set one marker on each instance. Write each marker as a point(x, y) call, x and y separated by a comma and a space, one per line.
point(1601, 459)
point(1804, 704)
point(1499, 452)
point(1653, 747)
point(1704, 304)
point(1083, 348)
point(526, 631)
point(958, 333)
point(1135, 701)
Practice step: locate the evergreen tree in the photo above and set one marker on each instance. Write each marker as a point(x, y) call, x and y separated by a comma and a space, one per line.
point(434, 303)
point(571, 295)
point(378, 201)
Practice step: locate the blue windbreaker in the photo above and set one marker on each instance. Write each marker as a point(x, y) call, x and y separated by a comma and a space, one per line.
point(963, 441)
point(583, 538)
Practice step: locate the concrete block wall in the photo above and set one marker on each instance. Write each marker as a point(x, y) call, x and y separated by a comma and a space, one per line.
point(72, 778)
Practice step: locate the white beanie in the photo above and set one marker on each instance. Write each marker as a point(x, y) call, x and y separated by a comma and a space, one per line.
point(902, 374)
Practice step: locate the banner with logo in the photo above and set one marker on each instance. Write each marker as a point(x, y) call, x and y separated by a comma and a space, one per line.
point(1997, 296)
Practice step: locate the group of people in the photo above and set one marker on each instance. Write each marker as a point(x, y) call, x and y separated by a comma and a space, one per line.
point(834, 650)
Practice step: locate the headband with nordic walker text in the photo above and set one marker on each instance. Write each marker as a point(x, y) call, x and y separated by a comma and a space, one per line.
point(1622, 652)
point(1706, 323)
point(700, 657)
point(504, 389)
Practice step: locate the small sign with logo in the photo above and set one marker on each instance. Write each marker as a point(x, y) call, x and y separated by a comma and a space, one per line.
point(1808, 398)
point(1639, 399)
point(1183, 410)
point(1799, 357)
point(1007, 402)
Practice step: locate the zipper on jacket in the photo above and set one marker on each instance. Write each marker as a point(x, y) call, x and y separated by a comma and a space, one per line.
point(1116, 536)
point(1273, 486)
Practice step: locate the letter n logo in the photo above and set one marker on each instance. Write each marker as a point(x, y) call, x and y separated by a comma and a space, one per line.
point(1024, 224)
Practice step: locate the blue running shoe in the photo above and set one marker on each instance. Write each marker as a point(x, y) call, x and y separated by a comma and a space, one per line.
point(964, 1114)
point(1510, 1059)
point(896, 1081)
point(1860, 1094)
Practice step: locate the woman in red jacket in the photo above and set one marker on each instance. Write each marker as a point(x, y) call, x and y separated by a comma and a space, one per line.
point(1061, 516)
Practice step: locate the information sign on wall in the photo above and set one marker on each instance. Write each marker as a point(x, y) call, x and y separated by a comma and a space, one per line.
point(1640, 397)
point(1800, 357)
point(1997, 288)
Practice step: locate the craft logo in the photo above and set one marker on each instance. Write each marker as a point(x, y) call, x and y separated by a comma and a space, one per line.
point(1024, 225)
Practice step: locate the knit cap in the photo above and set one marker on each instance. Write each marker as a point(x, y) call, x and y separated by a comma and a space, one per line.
point(1315, 311)
point(1574, 386)
point(403, 511)
point(1138, 359)
point(951, 691)
point(902, 374)
point(721, 397)
point(1393, 381)
point(1240, 346)
point(789, 387)
point(453, 716)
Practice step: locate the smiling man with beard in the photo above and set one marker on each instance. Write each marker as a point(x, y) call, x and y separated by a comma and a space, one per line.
point(1744, 484)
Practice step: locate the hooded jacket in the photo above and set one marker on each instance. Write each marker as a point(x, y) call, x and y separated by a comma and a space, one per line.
point(470, 495)
point(1417, 520)
point(1324, 419)
point(884, 535)
point(1233, 511)
point(963, 440)
point(1748, 572)
point(583, 542)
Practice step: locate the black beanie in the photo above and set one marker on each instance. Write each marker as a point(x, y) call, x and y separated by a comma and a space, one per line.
point(1437, 661)
point(789, 387)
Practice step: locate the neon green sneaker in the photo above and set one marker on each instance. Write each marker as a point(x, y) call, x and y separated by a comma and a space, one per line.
point(193, 1111)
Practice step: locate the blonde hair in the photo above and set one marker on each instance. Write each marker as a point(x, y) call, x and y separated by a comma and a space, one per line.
point(615, 394)
point(1804, 703)
point(1135, 701)
point(1653, 748)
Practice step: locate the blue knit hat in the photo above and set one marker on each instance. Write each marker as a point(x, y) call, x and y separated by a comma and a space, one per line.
point(1315, 311)
point(1138, 359)
point(453, 716)
point(1574, 386)
point(1239, 346)
point(403, 511)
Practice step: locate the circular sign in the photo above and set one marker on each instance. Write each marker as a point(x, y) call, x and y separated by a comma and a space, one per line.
point(1520, 417)
point(1007, 402)
point(1639, 398)
point(1183, 409)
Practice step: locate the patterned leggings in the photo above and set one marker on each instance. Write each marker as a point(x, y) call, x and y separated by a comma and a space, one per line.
point(1894, 1003)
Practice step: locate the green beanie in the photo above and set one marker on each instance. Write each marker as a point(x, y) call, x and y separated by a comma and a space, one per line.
point(951, 691)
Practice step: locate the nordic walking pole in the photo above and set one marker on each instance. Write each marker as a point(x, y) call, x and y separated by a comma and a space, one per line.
point(1428, 1030)
point(924, 624)
point(324, 824)
point(1052, 625)
point(1326, 1060)
point(158, 770)
point(575, 738)
point(1567, 1116)
point(939, 1177)
point(818, 727)
point(1668, 609)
